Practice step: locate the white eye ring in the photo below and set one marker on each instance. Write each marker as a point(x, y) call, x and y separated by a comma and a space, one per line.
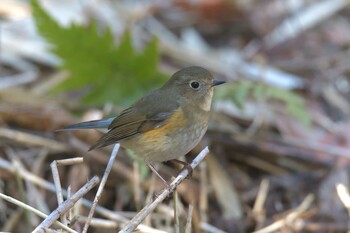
point(194, 85)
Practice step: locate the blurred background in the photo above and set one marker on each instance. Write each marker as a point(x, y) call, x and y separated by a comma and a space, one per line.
point(279, 133)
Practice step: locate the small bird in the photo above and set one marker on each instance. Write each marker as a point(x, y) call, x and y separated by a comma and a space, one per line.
point(165, 124)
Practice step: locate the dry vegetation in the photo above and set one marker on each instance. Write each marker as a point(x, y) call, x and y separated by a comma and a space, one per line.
point(268, 169)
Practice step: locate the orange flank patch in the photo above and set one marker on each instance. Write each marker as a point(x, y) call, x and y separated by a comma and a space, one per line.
point(175, 121)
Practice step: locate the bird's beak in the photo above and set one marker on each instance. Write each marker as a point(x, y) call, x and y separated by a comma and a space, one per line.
point(218, 82)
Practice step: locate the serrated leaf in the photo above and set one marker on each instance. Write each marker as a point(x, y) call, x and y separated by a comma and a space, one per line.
point(116, 74)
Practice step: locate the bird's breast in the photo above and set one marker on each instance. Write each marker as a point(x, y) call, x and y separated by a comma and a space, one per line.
point(180, 134)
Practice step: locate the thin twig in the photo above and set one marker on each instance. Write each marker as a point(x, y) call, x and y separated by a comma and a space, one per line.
point(203, 198)
point(258, 208)
point(150, 194)
point(176, 213)
point(102, 184)
point(68, 162)
point(12, 221)
point(56, 178)
point(66, 205)
point(137, 184)
point(99, 223)
point(188, 228)
point(70, 214)
point(344, 195)
point(33, 140)
point(210, 228)
point(35, 211)
point(57, 182)
point(290, 217)
point(133, 223)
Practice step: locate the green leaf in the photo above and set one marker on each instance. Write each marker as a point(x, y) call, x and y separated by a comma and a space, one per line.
point(237, 93)
point(240, 91)
point(116, 74)
point(299, 113)
point(294, 103)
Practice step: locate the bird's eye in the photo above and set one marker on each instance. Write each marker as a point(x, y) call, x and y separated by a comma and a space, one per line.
point(194, 85)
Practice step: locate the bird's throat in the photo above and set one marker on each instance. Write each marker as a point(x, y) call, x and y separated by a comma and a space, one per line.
point(206, 102)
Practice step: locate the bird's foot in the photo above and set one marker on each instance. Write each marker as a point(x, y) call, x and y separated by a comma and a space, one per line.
point(167, 185)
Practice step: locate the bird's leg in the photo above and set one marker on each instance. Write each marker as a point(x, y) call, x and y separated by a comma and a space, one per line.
point(187, 166)
point(160, 177)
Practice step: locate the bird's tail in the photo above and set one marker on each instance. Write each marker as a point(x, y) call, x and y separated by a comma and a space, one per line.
point(98, 124)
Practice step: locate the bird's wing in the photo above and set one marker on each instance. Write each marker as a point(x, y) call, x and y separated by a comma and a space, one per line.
point(143, 116)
